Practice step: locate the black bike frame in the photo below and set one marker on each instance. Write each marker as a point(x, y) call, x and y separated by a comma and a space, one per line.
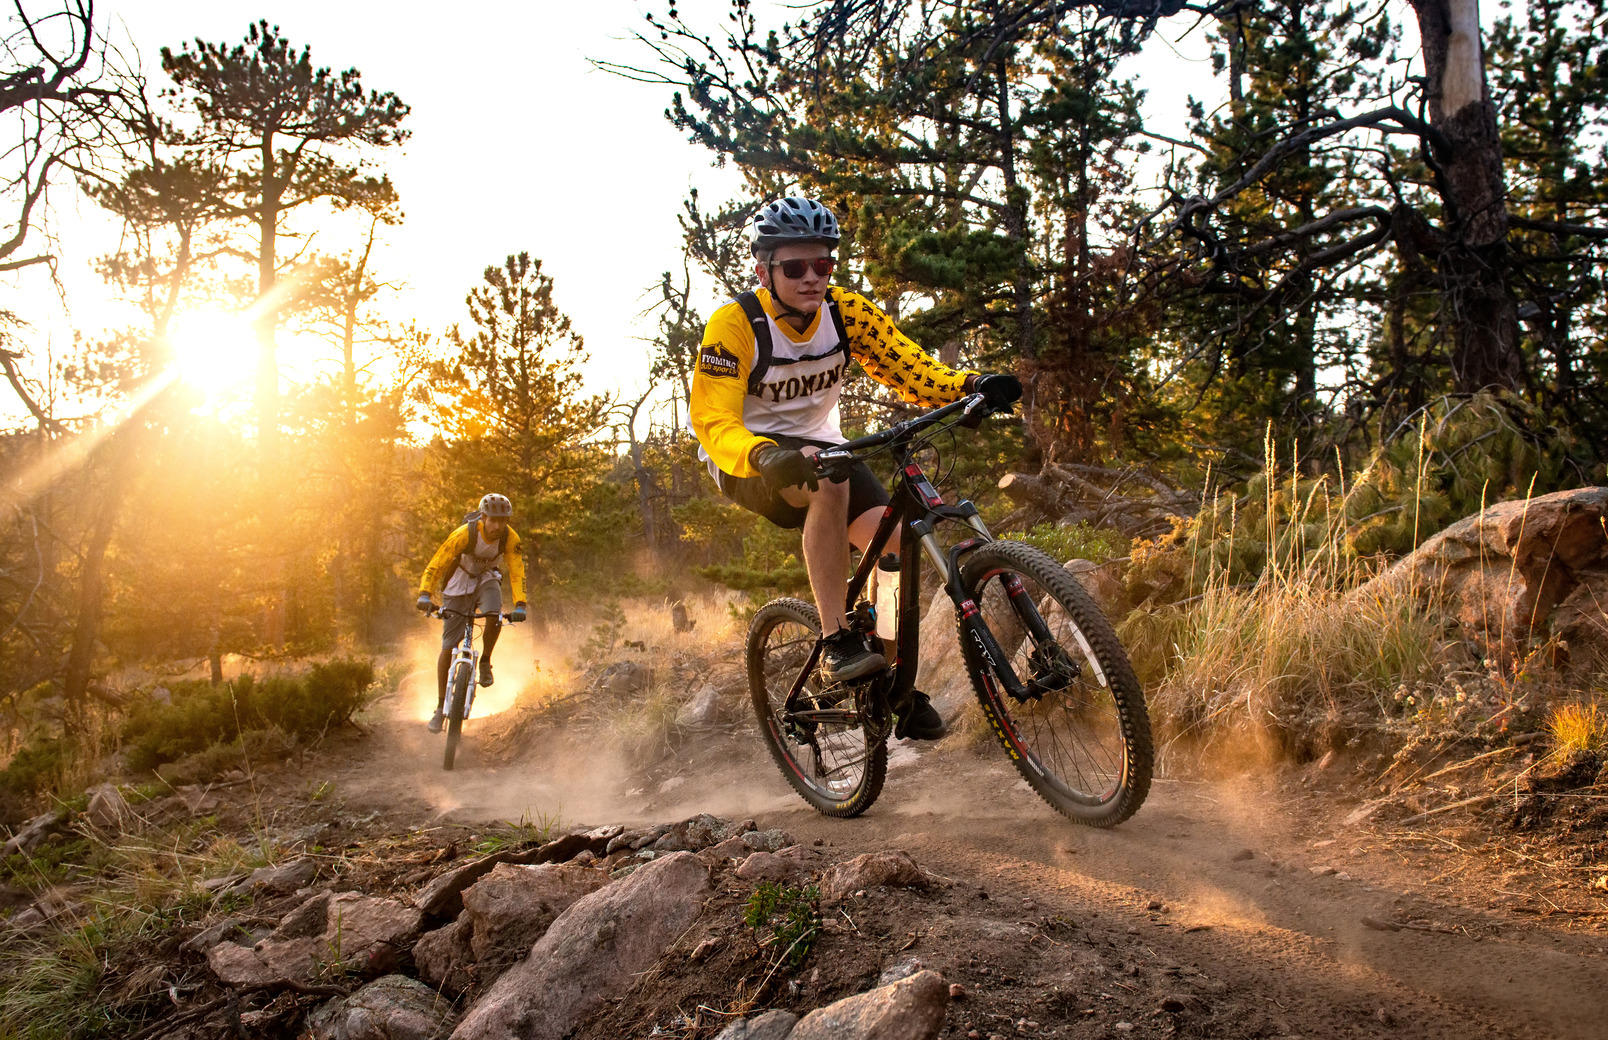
point(915, 511)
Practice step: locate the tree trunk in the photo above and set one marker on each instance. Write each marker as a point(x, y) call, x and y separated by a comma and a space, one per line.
point(1474, 264)
point(91, 584)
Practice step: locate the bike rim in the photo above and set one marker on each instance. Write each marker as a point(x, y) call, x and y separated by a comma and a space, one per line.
point(830, 753)
point(1072, 738)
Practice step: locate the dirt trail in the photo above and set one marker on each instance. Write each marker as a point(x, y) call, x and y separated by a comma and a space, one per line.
point(1259, 891)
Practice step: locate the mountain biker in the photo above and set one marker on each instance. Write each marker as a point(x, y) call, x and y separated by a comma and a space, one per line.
point(759, 413)
point(470, 563)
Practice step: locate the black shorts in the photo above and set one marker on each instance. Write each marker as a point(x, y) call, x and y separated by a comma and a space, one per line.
point(757, 496)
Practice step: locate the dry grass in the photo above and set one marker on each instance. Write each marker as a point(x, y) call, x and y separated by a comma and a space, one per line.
point(1302, 657)
point(1578, 727)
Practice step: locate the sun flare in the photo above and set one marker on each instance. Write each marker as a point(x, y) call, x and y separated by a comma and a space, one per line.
point(214, 352)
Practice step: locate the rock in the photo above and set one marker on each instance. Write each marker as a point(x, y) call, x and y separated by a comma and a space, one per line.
point(941, 673)
point(623, 679)
point(35, 831)
point(211, 935)
point(513, 906)
point(108, 810)
point(1503, 572)
point(768, 841)
point(772, 1025)
point(362, 934)
point(910, 1009)
point(1241, 856)
point(393, 1007)
point(445, 958)
point(307, 921)
point(701, 711)
point(592, 952)
point(443, 897)
point(280, 880)
point(628, 839)
point(901, 970)
point(700, 832)
point(789, 865)
point(871, 870)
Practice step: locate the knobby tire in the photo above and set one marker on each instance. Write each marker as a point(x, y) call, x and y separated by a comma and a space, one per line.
point(458, 695)
point(1086, 749)
point(779, 640)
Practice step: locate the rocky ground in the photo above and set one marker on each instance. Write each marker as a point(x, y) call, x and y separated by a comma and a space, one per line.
point(566, 880)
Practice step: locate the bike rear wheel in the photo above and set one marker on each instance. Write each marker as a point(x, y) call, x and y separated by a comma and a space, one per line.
point(833, 762)
point(1083, 740)
point(457, 697)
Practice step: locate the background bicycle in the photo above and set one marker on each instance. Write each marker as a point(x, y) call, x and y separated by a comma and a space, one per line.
point(461, 678)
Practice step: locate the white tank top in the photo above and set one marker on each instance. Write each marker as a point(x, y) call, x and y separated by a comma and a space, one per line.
point(798, 393)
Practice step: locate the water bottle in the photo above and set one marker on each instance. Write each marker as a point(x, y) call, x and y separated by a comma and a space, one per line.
point(887, 597)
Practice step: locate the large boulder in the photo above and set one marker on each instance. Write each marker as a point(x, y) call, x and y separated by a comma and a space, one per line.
point(910, 1009)
point(1504, 573)
point(394, 1007)
point(513, 906)
point(593, 952)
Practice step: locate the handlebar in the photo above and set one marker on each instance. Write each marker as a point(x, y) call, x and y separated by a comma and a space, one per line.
point(828, 460)
point(438, 612)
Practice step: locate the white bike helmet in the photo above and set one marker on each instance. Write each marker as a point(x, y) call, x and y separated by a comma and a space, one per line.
point(791, 221)
point(496, 505)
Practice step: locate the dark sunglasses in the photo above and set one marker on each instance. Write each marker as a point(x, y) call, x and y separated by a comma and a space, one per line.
point(795, 268)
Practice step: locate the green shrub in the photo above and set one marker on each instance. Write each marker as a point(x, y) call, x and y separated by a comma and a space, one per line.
point(786, 919)
point(34, 768)
point(199, 715)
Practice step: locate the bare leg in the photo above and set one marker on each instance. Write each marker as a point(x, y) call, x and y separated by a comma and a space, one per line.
point(826, 552)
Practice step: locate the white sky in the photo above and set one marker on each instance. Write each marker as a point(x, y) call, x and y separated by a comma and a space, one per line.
point(517, 143)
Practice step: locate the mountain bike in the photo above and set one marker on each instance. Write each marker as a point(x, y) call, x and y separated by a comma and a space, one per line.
point(1054, 683)
point(461, 679)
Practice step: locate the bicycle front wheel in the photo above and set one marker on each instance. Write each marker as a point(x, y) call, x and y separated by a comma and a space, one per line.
point(1081, 736)
point(823, 748)
point(457, 697)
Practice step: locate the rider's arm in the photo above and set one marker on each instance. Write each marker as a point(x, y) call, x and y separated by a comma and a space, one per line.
point(894, 360)
point(440, 565)
point(516, 569)
point(719, 384)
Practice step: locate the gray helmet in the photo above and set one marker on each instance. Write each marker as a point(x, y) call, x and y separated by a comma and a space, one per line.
point(496, 505)
point(791, 221)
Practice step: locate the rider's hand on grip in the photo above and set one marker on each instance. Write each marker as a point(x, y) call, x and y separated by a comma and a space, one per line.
point(785, 467)
point(999, 390)
point(425, 604)
point(518, 613)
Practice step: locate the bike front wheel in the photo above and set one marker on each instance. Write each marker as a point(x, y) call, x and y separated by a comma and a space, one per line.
point(1081, 735)
point(823, 748)
point(457, 697)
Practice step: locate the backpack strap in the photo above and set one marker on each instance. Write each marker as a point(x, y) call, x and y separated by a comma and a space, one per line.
point(763, 350)
point(837, 322)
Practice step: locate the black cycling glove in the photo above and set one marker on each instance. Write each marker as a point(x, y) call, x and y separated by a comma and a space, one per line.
point(425, 603)
point(785, 467)
point(999, 391)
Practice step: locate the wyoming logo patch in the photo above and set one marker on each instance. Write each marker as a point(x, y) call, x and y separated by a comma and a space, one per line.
point(717, 361)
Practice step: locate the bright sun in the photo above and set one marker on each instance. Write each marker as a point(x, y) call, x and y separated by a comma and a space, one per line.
point(214, 352)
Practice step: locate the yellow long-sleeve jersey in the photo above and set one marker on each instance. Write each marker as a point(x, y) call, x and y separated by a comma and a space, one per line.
point(451, 559)
point(805, 380)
